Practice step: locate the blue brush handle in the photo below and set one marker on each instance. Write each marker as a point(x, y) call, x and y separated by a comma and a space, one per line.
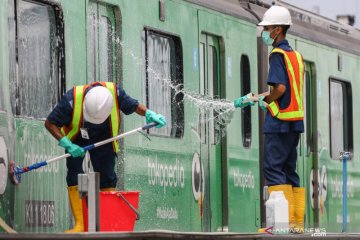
point(148, 126)
point(89, 147)
point(31, 167)
point(37, 165)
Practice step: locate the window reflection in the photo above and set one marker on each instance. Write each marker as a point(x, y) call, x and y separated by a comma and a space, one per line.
point(163, 76)
point(33, 59)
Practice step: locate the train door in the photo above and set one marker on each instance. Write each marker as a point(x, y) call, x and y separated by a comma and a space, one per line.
point(307, 158)
point(102, 37)
point(210, 150)
point(103, 50)
point(7, 138)
point(36, 82)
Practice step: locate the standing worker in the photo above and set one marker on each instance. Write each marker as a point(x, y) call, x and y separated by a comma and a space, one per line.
point(86, 115)
point(285, 114)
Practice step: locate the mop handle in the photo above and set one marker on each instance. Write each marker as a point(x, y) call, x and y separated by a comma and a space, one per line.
point(98, 144)
point(86, 148)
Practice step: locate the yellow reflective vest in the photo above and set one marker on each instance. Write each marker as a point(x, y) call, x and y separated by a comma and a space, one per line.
point(77, 115)
point(295, 69)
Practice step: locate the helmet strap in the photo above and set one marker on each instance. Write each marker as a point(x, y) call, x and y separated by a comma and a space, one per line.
point(276, 34)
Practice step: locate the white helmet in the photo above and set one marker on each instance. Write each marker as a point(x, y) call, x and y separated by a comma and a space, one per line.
point(276, 15)
point(98, 103)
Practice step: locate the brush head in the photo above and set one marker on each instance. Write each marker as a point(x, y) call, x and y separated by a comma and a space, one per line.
point(13, 172)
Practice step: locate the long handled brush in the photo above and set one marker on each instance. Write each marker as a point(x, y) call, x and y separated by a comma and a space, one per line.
point(16, 171)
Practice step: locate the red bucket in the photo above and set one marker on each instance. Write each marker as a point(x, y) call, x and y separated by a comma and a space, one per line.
point(115, 214)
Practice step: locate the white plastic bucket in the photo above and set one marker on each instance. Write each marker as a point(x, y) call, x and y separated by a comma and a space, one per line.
point(277, 212)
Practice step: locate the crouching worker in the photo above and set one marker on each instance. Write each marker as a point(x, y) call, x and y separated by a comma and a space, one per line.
point(284, 114)
point(86, 115)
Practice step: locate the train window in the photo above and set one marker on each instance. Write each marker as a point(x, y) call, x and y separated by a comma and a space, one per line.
point(102, 36)
point(202, 117)
point(341, 123)
point(35, 59)
point(2, 104)
point(2, 97)
point(310, 107)
point(164, 79)
point(213, 88)
point(245, 112)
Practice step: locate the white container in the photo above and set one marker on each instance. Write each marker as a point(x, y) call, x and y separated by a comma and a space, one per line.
point(277, 212)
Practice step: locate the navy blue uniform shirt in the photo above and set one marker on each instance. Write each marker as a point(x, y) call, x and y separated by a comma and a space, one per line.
point(278, 75)
point(62, 116)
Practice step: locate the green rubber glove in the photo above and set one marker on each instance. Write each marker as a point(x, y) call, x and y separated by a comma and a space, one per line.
point(261, 103)
point(154, 117)
point(243, 101)
point(73, 149)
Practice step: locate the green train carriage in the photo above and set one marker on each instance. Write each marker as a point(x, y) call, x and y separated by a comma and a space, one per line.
point(191, 176)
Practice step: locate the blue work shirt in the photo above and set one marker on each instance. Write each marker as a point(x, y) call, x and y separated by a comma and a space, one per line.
point(61, 115)
point(278, 75)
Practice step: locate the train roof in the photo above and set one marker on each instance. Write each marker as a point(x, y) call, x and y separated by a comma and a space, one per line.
point(306, 24)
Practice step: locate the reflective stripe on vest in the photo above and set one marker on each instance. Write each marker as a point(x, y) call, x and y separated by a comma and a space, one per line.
point(74, 129)
point(114, 116)
point(295, 70)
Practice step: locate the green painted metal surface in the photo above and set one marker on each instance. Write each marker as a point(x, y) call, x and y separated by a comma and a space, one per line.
point(40, 200)
point(164, 169)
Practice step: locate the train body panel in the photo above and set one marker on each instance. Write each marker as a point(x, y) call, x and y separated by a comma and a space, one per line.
point(202, 171)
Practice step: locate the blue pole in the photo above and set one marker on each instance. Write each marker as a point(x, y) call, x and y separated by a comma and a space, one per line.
point(345, 158)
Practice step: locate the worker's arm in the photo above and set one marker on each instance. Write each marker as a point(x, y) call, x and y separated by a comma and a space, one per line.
point(150, 115)
point(141, 109)
point(73, 149)
point(263, 94)
point(54, 130)
point(277, 91)
point(266, 98)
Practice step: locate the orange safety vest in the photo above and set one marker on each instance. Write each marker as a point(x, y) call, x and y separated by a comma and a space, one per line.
point(77, 115)
point(295, 69)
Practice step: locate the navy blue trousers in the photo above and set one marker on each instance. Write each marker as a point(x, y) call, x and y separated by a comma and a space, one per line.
point(280, 159)
point(102, 160)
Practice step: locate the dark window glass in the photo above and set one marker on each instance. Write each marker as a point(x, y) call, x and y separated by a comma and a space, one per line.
point(215, 126)
point(163, 58)
point(202, 116)
point(2, 100)
point(308, 109)
point(245, 112)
